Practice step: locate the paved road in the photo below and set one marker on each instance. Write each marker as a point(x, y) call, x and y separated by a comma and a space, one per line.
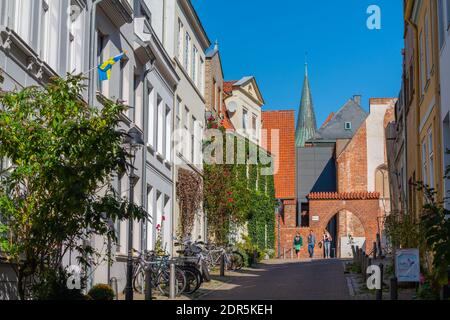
point(287, 280)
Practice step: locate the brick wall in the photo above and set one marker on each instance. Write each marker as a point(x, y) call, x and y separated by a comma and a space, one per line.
point(213, 72)
point(352, 164)
point(284, 121)
point(366, 211)
point(289, 230)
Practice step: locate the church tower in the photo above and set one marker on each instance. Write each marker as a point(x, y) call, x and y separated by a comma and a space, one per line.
point(306, 124)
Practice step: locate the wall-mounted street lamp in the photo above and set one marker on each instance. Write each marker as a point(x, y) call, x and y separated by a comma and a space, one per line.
point(134, 141)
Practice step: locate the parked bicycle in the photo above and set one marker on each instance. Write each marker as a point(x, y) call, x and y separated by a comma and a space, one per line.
point(233, 259)
point(159, 267)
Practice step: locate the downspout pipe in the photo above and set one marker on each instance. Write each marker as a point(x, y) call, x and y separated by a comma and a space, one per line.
point(91, 87)
point(92, 46)
point(417, 90)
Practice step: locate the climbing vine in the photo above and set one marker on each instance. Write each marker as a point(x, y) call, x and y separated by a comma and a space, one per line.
point(238, 194)
point(189, 192)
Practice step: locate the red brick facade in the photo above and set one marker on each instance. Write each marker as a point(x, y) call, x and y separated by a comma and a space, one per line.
point(352, 164)
point(284, 121)
point(358, 211)
point(365, 209)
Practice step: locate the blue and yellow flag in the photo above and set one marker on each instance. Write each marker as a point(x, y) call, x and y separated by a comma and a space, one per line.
point(104, 69)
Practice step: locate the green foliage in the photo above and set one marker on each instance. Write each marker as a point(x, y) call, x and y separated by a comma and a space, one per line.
point(53, 286)
point(235, 195)
point(252, 253)
point(58, 191)
point(403, 231)
point(426, 292)
point(437, 236)
point(102, 292)
point(352, 268)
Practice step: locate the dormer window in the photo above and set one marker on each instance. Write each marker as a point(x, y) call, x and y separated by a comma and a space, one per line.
point(348, 126)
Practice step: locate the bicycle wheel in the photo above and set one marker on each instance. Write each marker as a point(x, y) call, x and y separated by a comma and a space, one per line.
point(205, 272)
point(192, 280)
point(163, 281)
point(237, 261)
point(139, 280)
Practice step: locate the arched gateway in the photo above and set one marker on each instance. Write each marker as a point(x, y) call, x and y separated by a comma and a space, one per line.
point(322, 207)
point(365, 206)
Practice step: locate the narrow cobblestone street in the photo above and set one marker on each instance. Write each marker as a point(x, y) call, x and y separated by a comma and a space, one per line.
point(286, 280)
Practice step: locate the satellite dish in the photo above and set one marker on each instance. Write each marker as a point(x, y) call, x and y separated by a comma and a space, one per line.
point(232, 107)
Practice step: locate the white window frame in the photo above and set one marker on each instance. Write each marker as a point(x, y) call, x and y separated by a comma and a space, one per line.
point(424, 162)
point(187, 39)
point(193, 144)
point(23, 18)
point(168, 134)
point(186, 143)
point(160, 126)
point(180, 40)
point(194, 65)
point(431, 158)
point(245, 119)
point(151, 116)
point(428, 55)
point(348, 126)
point(151, 212)
point(422, 63)
point(201, 82)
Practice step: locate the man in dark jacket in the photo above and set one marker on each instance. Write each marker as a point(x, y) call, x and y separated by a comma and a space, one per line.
point(311, 243)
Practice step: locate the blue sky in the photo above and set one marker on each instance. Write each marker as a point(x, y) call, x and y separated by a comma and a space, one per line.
point(268, 39)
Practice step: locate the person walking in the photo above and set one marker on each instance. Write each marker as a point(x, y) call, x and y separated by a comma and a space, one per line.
point(311, 243)
point(298, 244)
point(327, 239)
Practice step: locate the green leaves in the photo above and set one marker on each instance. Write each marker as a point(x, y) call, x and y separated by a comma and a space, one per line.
point(236, 195)
point(63, 153)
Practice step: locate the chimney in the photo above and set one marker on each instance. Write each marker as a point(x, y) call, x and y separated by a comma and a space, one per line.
point(357, 99)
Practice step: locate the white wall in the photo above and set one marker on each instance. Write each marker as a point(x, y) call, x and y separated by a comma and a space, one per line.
point(242, 101)
point(375, 142)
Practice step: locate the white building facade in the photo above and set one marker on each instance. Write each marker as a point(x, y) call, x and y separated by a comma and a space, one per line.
point(40, 39)
point(182, 35)
point(244, 102)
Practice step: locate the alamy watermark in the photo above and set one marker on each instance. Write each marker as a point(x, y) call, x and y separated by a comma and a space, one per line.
point(74, 279)
point(240, 147)
point(374, 19)
point(374, 278)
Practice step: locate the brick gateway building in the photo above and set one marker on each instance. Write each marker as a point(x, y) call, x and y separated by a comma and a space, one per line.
point(341, 178)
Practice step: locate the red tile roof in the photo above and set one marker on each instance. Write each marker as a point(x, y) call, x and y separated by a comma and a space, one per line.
point(343, 195)
point(228, 86)
point(284, 121)
point(328, 119)
point(227, 124)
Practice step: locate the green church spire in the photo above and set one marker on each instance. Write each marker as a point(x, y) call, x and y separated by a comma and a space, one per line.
point(306, 124)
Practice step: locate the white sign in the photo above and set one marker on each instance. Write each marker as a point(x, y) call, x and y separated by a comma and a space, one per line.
point(407, 265)
point(348, 242)
point(315, 218)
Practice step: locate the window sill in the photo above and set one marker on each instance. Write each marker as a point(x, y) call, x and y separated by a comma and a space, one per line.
point(160, 157)
point(168, 164)
point(150, 148)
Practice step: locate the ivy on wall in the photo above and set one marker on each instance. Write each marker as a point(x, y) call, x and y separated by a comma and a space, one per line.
point(189, 192)
point(238, 194)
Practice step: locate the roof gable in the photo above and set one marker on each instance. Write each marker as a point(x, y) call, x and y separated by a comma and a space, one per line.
point(249, 86)
point(335, 128)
